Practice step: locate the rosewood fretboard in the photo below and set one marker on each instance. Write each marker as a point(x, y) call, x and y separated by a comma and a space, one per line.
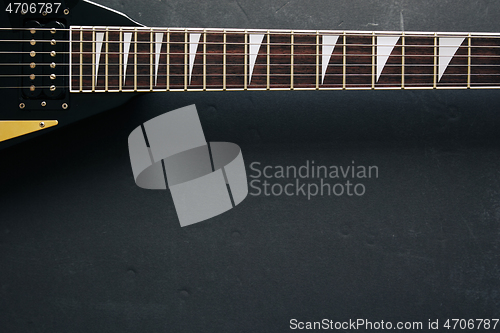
point(112, 59)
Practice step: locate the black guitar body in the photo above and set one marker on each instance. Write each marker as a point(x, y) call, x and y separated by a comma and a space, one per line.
point(60, 105)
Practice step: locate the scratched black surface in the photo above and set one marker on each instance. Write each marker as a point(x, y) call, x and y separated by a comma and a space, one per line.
point(82, 249)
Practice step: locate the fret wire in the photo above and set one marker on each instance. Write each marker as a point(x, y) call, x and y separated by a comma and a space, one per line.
point(168, 60)
point(403, 61)
point(81, 60)
point(373, 60)
point(106, 59)
point(317, 59)
point(70, 59)
point(224, 62)
point(120, 56)
point(151, 59)
point(435, 61)
point(93, 59)
point(268, 58)
point(204, 60)
point(344, 61)
point(135, 60)
point(186, 41)
point(291, 60)
point(468, 60)
point(245, 78)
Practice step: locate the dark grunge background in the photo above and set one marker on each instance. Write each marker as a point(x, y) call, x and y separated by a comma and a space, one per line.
point(83, 249)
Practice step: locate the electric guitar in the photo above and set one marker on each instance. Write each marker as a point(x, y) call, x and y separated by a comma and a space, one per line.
point(64, 61)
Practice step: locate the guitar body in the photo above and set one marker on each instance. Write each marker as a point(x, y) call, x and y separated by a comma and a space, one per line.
point(78, 106)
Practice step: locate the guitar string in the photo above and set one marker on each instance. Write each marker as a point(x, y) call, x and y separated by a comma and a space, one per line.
point(295, 33)
point(221, 43)
point(309, 33)
point(367, 66)
point(74, 53)
point(241, 75)
point(277, 55)
point(257, 64)
point(262, 86)
point(147, 30)
point(183, 43)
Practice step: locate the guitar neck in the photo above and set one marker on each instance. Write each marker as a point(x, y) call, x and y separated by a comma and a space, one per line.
point(122, 59)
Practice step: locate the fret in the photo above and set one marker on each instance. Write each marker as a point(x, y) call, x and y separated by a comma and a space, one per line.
point(453, 62)
point(333, 64)
point(143, 69)
point(70, 58)
point(224, 52)
point(389, 61)
point(291, 59)
point(135, 59)
point(194, 80)
point(317, 60)
point(120, 56)
point(236, 60)
point(485, 62)
point(344, 60)
point(99, 39)
point(279, 52)
point(168, 60)
point(204, 59)
point(87, 59)
point(81, 59)
point(246, 57)
point(374, 42)
point(177, 60)
point(186, 59)
point(434, 76)
point(419, 61)
point(145, 60)
point(358, 73)
point(213, 72)
point(127, 40)
point(403, 61)
point(268, 49)
point(303, 69)
point(468, 60)
point(258, 66)
point(158, 57)
point(106, 72)
point(151, 59)
point(113, 56)
point(93, 59)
